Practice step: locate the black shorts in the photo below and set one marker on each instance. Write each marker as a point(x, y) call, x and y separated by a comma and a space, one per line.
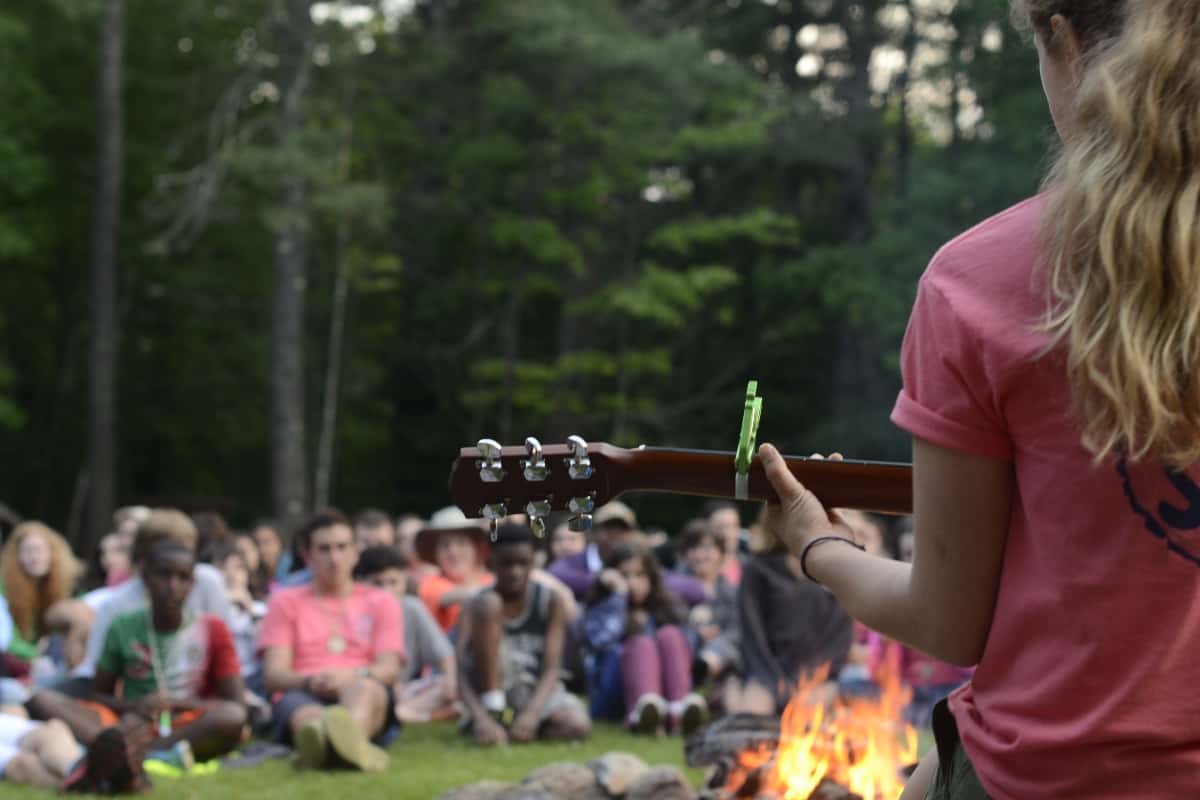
point(287, 705)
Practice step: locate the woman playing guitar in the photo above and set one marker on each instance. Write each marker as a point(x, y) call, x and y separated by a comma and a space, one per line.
point(1052, 388)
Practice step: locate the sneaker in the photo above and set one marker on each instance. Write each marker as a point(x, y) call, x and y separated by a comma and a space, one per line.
point(692, 715)
point(648, 714)
point(112, 765)
point(349, 743)
point(311, 745)
point(178, 756)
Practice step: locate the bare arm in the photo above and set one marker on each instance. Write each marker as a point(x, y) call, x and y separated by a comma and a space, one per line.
point(942, 603)
point(466, 692)
point(448, 666)
point(385, 668)
point(556, 635)
point(570, 606)
point(277, 671)
point(232, 688)
point(68, 614)
point(104, 691)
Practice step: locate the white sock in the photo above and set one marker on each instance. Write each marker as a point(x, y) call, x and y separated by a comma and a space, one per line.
point(494, 700)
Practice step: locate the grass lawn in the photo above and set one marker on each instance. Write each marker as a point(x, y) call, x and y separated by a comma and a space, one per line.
point(426, 761)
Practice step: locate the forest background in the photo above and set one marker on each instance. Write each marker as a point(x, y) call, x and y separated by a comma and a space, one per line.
point(265, 255)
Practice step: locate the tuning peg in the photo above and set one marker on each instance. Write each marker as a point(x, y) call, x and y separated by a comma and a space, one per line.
point(581, 505)
point(580, 466)
point(581, 523)
point(538, 510)
point(535, 468)
point(493, 513)
point(490, 467)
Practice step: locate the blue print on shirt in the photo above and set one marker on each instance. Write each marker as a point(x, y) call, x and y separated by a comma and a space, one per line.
point(1174, 519)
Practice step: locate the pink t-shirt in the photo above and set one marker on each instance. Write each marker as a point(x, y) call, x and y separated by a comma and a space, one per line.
point(364, 624)
point(1088, 683)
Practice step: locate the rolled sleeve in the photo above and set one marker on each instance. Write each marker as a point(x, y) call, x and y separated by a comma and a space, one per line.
point(947, 397)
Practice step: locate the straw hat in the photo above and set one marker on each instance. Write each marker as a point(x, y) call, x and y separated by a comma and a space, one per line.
point(615, 512)
point(449, 520)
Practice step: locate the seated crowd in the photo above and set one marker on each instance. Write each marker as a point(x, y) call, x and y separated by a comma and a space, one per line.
point(190, 638)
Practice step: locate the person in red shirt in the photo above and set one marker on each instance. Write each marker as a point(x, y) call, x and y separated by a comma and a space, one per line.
point(459, 548)
point(331, 652)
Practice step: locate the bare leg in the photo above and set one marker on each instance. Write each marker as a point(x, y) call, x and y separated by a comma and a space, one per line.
point(84, 723)
point(54, 746)
point(753, 698)
point(921, 782)
point(366, 700)
point(568, 725)
point(302, 716)
point(214, 734)
point(25, 768)
point(487, 631)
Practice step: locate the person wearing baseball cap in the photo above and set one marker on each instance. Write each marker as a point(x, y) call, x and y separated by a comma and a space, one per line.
point(614, 524)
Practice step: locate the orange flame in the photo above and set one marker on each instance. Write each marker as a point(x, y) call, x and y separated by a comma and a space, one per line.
point(858, 743)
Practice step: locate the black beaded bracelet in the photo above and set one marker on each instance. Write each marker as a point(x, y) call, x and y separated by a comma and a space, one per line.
point(818, 540)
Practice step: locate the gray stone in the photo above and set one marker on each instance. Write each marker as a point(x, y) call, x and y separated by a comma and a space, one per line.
point(660, 783)
point(566, 780)
point(526, 793)
point(616, 772)
point(484, 790)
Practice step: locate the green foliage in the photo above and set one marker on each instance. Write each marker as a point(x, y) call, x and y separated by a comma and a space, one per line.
point(593, 216)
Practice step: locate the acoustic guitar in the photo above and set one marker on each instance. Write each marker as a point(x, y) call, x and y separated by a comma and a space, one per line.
point(491, 481)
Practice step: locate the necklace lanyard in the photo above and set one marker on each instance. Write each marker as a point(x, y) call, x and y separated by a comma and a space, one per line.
point(160, 666)
point(336, 643)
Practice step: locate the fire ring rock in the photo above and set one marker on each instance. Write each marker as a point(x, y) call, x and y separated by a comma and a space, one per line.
point(616, 772)
point(566, 780)
point(526, 793)
point(484, 790)
point(660, 783)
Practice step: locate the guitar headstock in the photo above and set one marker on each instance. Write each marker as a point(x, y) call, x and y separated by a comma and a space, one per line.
point(491, 481)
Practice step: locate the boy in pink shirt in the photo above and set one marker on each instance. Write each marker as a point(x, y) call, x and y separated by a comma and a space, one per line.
point(331, 652)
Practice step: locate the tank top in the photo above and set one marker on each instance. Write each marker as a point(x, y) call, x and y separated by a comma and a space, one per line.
point(525, 636)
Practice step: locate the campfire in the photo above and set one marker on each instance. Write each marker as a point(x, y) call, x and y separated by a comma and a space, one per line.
point(821, 748)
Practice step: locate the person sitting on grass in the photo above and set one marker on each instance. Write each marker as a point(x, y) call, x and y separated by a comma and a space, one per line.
point(459, 548)
point(178, 674)
point(428, 685)
point(640, 660)
point(208, 594)
point(715, 622)
point(37, 754)
point(331, 652)
point(791, 628)
point(510, 646)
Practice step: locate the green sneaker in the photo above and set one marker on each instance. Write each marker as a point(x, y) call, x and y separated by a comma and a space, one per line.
point(311, 745)
point(348, 741)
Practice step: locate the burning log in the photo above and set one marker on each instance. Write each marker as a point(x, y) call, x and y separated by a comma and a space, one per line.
point(823, 748)
point(729, 736)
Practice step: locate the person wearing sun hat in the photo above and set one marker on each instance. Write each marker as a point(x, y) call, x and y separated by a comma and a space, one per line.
point(459, 548)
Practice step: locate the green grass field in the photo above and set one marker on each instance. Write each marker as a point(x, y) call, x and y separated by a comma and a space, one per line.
point(426, 761)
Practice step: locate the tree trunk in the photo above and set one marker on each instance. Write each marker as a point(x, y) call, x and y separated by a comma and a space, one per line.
point(337, 328)
point(288, 462)
point(102, 404)
point(904, 131)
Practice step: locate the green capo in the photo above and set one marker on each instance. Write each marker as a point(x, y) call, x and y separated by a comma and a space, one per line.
point(751, 416)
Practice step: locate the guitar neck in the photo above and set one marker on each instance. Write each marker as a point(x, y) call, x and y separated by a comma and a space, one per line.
point(877, 486)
